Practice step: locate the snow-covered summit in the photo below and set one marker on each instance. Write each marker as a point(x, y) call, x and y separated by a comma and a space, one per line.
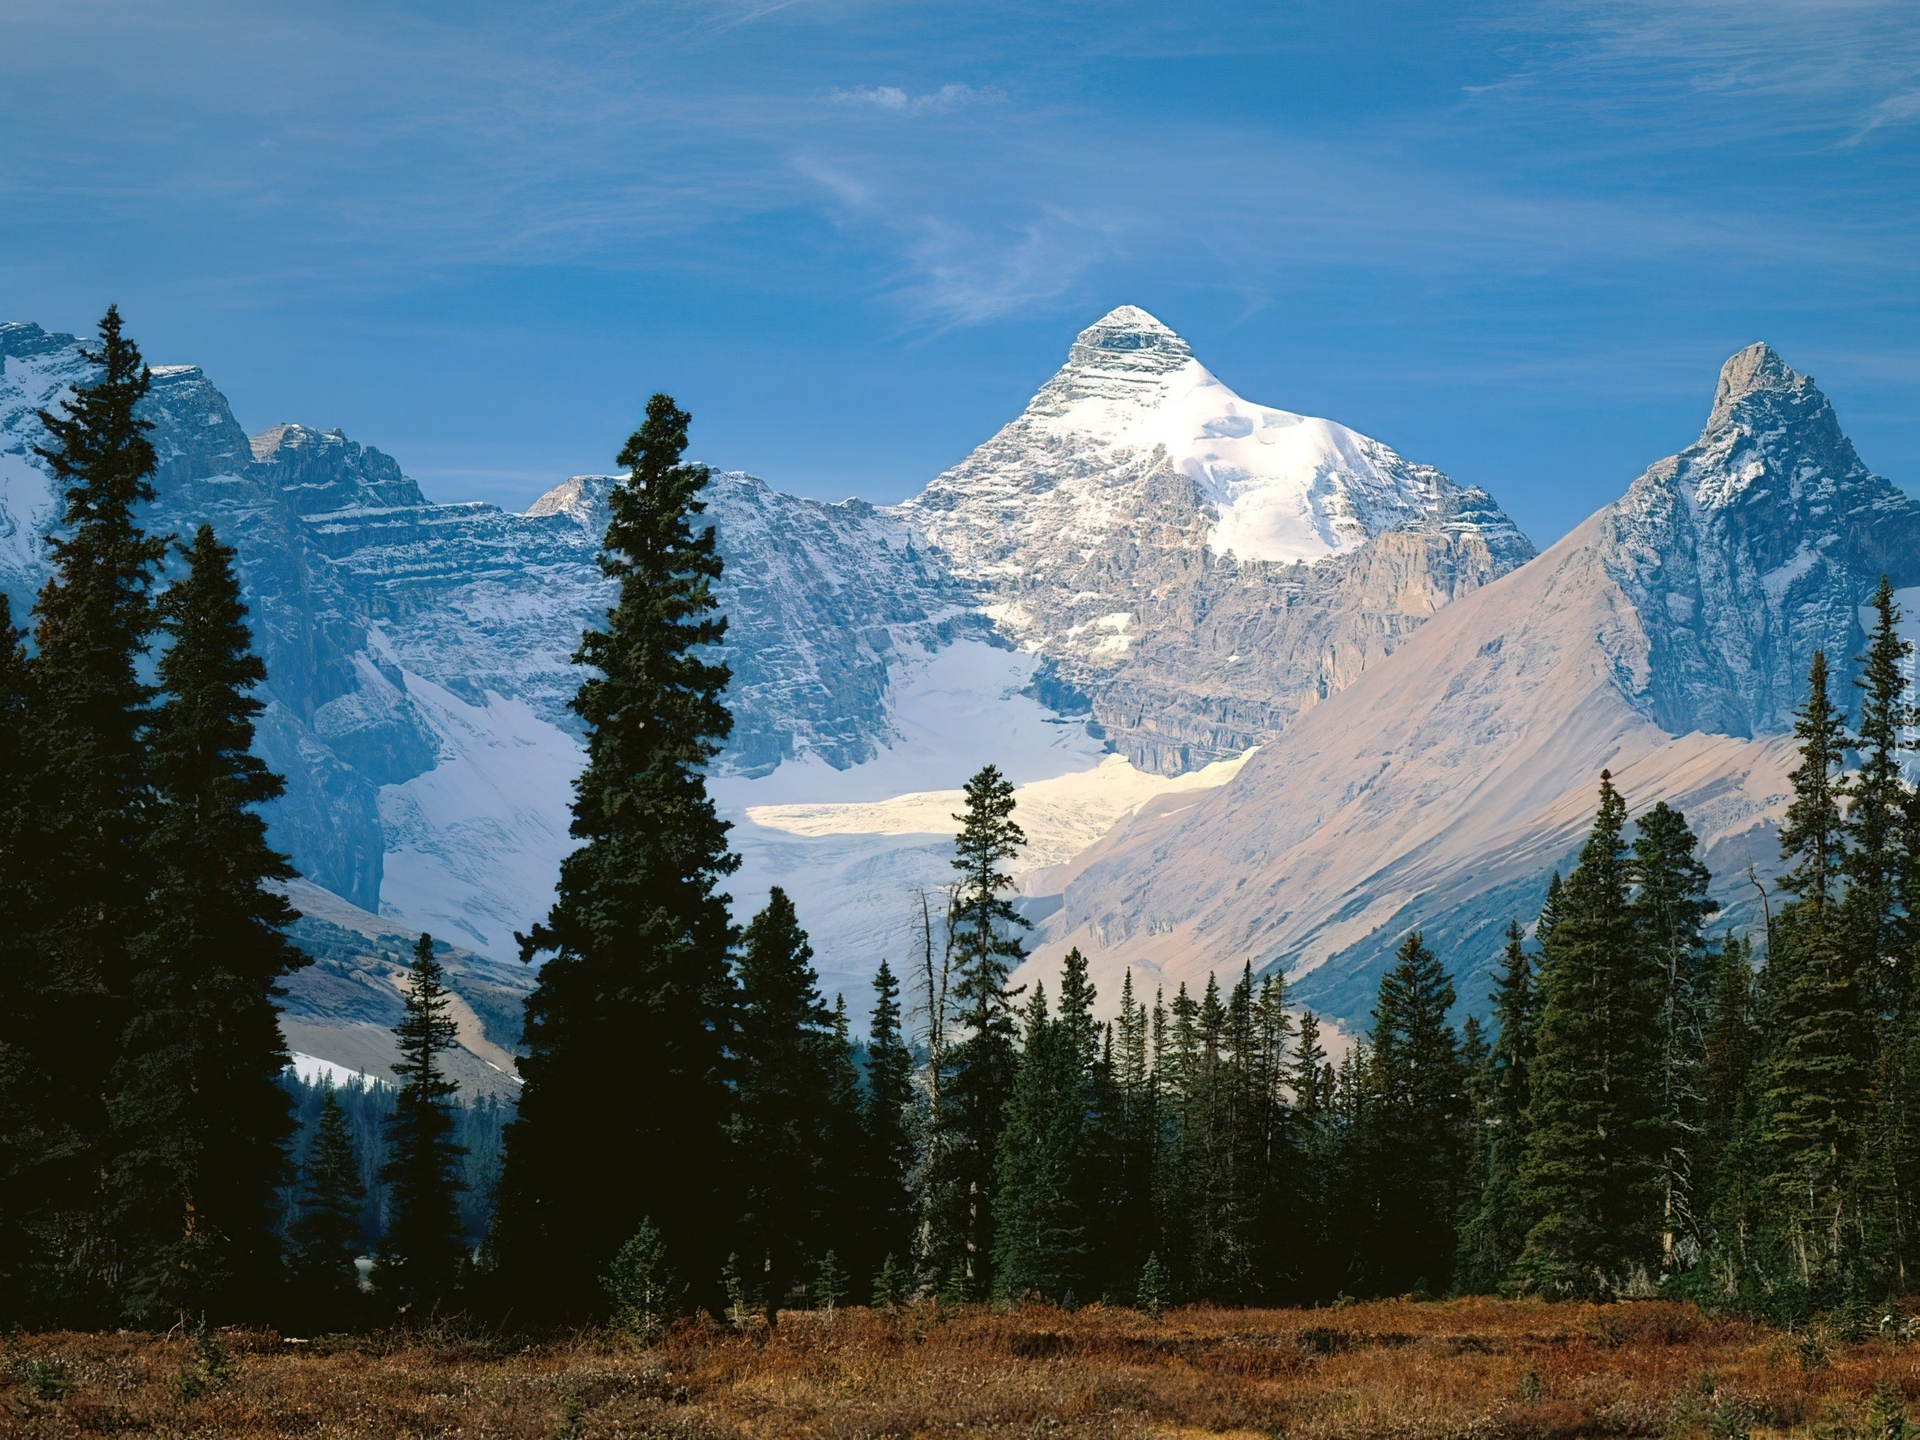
point(579, 498)
point(1200, 568)
point(1284, 488)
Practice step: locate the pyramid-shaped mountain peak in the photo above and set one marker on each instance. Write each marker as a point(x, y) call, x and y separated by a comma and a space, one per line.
point(1124, 331)
point(1757, 370)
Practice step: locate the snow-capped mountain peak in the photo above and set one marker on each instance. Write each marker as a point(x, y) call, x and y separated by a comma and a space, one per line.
point(1197, 567)
point(1132, 403)
point(1757, 370)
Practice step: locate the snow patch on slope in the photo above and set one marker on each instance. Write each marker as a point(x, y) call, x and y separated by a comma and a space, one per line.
point(953, 710)
point(474, 845)
point(855, 847)
point(312, 1070)
point(1061, 816)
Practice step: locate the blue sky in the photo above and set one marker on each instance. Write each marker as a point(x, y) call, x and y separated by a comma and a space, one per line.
point(1514, 241)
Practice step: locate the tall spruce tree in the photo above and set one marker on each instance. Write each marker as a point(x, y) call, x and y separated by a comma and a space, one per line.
point(1188, 1174)
point(1476, 1067)
point(984, 931)
point(1134, 1142)
point(1880, 933)
point(23, 1108)
point(1270, 1143)
point(1419, 1122)
point(1812, 1104)
point(789, 1103)
point(1311, 1082)
point(1730, 1050)
point(80, 864)
point(1593, 1153)
point(1090, 1154)
point(1355, 1205)
point(623, 1113)
point(1498, 1231)
point(1040, 1228)
point(200, 1121)
point(420, 1255)
point(1549, 909)
point(1671, 909)
point(326, 1231)
point(886, 1109)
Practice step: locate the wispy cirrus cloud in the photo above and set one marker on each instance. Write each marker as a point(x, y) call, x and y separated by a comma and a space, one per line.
point(1714, 71)
point(893, 98)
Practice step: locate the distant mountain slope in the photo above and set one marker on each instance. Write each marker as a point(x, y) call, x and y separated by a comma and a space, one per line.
point(1667, 638)
point(1200, 567)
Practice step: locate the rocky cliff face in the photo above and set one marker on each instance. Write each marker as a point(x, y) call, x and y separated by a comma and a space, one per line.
point(1750, 549)
point(1667, 638)
point(1201, 569)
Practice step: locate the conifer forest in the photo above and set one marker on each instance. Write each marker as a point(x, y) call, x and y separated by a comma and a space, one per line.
point(1654, 1108)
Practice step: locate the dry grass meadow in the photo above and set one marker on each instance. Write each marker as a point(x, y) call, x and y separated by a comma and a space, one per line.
point(1476, 1368)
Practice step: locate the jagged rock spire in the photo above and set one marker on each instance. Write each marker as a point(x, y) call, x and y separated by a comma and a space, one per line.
point(1756, 370)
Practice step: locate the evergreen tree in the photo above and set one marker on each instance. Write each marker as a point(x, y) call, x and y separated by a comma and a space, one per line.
point(1419, 1124)
point(1880, 934)
point(623, 1113)
point(1186, 1177)
point(886, 1124)
point(1271, 1145)
point(1595, 1142)
point(1670, 910)
point(1740, 1267)
point(1476, 1068)
point(420, 1255)
point(200, 1120)
point(23, 1109)
point(1133, 1144)
point(1040, 1230)
point(1728, 1054)
point(79, 862)
point(981, 1064)
point(1549, 909)
point(1311, 1083)
point(1814, 1085)
point(850, 1177)
point(1498, 1230)
point(326, 1233)
point(1355, 1206)
point(1813, 837)
point(1088, 1140)
point(789, 1101)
